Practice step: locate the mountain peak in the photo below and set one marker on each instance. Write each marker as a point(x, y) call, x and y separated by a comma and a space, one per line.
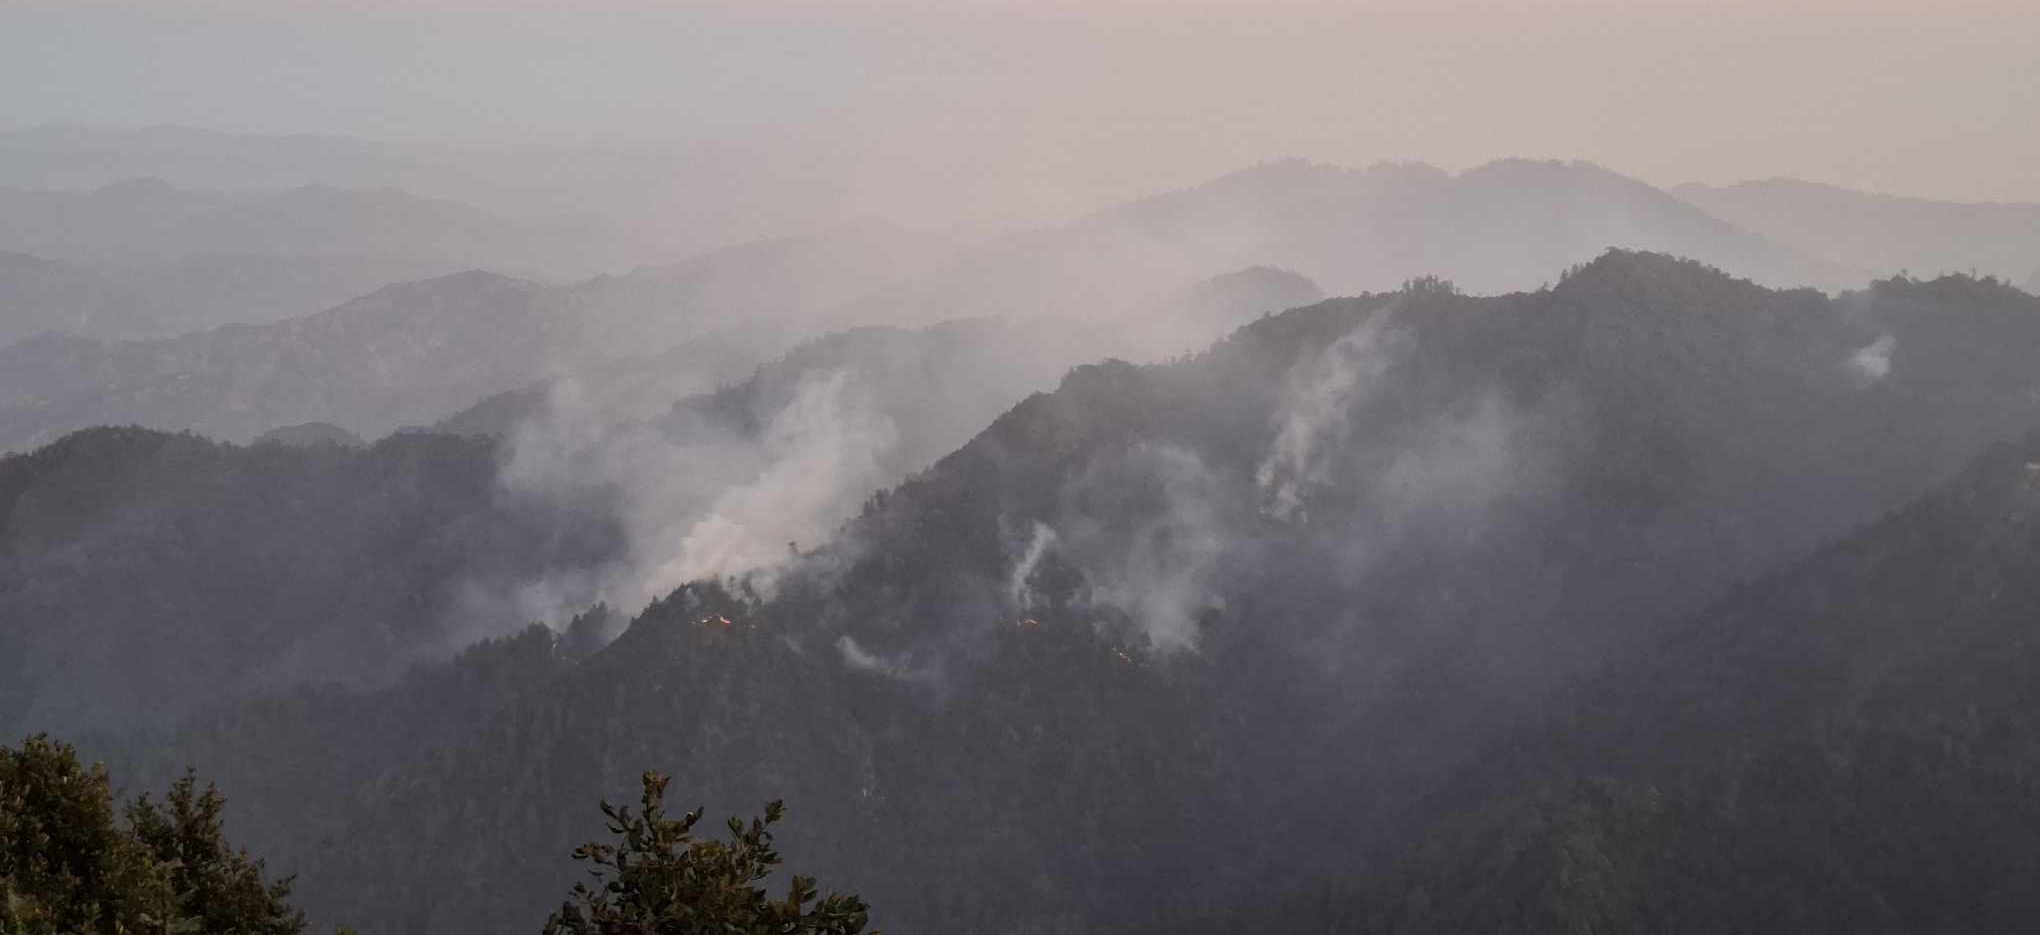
point(1953, 287)
point(310, 435)
point(1618, 265)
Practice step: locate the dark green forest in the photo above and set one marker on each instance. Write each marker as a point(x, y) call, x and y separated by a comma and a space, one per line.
point(146, 575)
point(1654, 600)
point(69, 865)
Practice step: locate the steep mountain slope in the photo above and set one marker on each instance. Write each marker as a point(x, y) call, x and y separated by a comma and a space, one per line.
point(1173, 635)
point(1506, 225)
point(720, 482)
point(627, 388)
point(142, 574)
point(715, 482)
point(412, 353)
point(105, 300)
point(1881, 233)
point(642, 388)
point(1846, 744)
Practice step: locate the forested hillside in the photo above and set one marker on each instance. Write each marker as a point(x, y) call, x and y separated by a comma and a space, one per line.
point(420, 352)
point(1175, 637)
point(1846, 745)
point(1061, 468)
point(143, 575)
point(282, 567)
point(416, 352)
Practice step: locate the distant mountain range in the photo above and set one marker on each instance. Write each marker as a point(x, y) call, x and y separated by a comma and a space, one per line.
point(1885, 234)
point(1508, 225)
point(267, 255)
point(689, 200)
point(1505, 226)
point(1103, 577)
point(1177, 639)
point(679, 199)
point(195, 293)
point(141, 258)
point(574, 498)
point(416, 352)
point(148, 221)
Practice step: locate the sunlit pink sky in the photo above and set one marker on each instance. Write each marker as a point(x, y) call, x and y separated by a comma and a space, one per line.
point(1017, 108)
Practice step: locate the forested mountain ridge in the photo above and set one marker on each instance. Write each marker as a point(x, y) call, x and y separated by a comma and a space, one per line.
point(1020, 356)
point(721, 482)
point(1183, 629)
point(571, 499)
point(154, 300)
point(1507, 225)
point(989, 467)
point(364, 365)
point(1845, 743)
point(415, 352)
point(143, 574)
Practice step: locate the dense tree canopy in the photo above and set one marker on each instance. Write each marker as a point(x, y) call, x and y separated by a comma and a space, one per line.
point(68, 865)
point(1373, 688)
point(659, 879)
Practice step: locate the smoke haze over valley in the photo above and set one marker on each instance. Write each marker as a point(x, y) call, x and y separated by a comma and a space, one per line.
point(1105, 466)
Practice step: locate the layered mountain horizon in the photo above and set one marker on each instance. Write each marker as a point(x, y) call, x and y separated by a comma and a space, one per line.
point(1346, 230)
point(987, 467)
point(1524, 547)
point(1257, 601)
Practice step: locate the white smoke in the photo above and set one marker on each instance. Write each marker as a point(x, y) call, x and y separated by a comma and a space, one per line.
point(1872, 362)
point(1313, 416)
point(1463, 464)
point(821, 452)
point(1162, 572)
point(703, 503)
point(857, 657)
point(1017, 589)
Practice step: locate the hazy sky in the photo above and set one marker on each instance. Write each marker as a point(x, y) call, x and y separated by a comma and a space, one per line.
point(1054, 106)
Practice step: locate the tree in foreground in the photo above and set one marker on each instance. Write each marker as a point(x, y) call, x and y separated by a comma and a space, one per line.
point(659, 879)
point(68, 865)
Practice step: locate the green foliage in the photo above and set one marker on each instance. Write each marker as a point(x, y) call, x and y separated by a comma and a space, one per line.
point(66, 864)
point(1429, 285)
point(658, 879)
point(220, 888)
